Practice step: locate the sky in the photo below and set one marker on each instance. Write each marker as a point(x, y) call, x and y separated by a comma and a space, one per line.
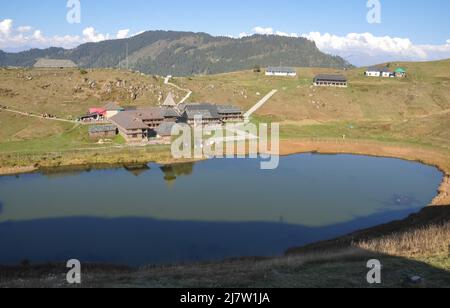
point(361, 31)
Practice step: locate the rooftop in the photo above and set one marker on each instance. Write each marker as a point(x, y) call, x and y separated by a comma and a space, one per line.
point(169, 113)
point(128, 120)
point(335, 78)
point(169, 102)
point(148, 113)
point(206, 111)
point(228, 109)
point(102, 128)
point(281, 69)
point(165, 129)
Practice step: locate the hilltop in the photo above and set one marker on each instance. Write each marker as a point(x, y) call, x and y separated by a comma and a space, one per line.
point(185, 53)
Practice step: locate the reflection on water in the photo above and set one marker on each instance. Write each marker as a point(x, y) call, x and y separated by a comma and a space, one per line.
point(226, 208)
point(141, 241)
point(1, 207)
point(172, 172)
point(137, 170)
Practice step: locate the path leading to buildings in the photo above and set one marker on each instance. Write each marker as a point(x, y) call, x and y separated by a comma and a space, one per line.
point(258, 105)
point(27, 114)
point(189, 92)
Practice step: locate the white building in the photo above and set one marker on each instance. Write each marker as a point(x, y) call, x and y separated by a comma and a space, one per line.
point(373, 72)
point(377, 71)
point(281, 71)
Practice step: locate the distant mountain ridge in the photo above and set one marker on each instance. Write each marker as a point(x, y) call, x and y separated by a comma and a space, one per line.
point(185, 53)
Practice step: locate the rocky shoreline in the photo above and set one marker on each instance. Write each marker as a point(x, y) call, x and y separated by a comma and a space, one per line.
point(444, 192)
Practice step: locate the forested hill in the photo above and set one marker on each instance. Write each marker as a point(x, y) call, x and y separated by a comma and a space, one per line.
point(186, 53)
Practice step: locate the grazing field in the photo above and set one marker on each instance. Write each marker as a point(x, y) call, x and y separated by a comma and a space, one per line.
point(414, 110)
point(69, 93)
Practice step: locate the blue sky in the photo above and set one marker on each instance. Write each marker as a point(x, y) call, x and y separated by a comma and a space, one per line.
point(422, 22)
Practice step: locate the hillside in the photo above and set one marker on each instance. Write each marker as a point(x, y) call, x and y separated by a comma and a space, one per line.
point(67, 94)
point(415, 109)
point(185, 53)
point(402, 112)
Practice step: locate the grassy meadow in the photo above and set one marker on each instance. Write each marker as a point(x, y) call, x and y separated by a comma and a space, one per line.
point(412, 110)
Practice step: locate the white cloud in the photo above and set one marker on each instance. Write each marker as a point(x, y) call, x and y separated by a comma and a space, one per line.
point(37, 35)
point(91, 35)
point(24, 29)
point(121, 34)
point(366, 48)
point(263, 31)
point(24, 37)
point(6, 26)
point(279, 33)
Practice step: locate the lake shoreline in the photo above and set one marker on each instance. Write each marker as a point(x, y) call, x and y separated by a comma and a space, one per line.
point(291, 147)
point(382, 150)
point(340, 251)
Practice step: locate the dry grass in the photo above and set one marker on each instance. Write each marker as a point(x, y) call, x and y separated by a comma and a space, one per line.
point(422, 242)
point(69, 94)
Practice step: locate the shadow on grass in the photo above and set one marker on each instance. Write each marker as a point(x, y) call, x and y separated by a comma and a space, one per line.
point(334, 263)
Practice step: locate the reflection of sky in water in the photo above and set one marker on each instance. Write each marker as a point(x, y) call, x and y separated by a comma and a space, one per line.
point(204, 211)
point(310, 190)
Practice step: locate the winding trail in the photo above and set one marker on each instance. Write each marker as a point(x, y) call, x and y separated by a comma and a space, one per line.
point(189, 92)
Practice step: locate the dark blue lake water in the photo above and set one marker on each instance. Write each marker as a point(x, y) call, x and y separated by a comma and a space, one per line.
point(209, 210)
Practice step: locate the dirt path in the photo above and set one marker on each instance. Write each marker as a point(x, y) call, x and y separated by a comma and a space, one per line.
point(261, 103)
point(26, 114)
point(189, 92)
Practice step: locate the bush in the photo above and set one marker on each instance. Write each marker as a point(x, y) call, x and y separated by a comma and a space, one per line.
point(83, 72)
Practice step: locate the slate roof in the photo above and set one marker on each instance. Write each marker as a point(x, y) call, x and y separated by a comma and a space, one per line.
point(128, 120)
point(102, 128)
point(149, 113)
point(169, 102)
point(169, 113)
point(332, 78)
point(228, 109)
point(287, 70)
point(206, 111)
point(54, 63)
point(165, 129)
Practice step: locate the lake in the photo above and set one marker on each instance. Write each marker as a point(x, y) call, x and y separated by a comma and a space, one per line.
point(203, 211)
